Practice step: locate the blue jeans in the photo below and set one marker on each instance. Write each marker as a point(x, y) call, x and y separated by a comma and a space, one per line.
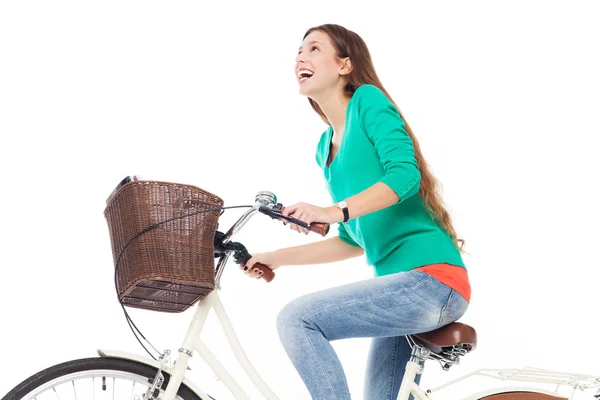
point(385, 308)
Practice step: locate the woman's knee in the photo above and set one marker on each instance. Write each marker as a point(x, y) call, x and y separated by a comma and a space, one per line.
point(288, 317)
point(292, 317)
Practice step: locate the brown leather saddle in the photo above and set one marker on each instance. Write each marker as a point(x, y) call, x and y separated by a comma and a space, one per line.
point(448, 343)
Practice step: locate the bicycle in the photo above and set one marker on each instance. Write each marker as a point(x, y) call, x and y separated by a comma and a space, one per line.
point(196, 226)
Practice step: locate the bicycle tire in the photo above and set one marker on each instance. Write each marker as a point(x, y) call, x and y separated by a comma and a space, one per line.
point(522, 395)
point(91, 364)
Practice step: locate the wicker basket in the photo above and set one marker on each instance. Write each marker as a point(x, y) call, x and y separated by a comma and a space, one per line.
point(172, 266)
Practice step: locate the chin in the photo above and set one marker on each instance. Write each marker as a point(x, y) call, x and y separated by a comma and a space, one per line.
point(306, 92)
point(303, 92)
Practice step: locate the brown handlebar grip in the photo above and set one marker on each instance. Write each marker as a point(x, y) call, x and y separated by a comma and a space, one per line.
point(267, 273)
point(320, 228)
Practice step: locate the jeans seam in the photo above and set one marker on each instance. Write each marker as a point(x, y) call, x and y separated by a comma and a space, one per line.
point(370, 298)
point(446, 306)
point(321, 361)
point(396, 347)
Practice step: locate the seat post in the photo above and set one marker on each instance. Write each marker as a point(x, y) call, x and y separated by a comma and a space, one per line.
point(414, 366)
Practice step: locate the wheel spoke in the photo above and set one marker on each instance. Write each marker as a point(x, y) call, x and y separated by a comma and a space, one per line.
point(74, 391)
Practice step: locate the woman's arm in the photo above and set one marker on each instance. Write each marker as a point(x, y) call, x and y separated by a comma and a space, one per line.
point(374, 198)
point(369, 200)
point(321, 252)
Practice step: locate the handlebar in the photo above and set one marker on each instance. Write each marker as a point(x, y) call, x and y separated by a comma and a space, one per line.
point(266, 203)
point(275, 212)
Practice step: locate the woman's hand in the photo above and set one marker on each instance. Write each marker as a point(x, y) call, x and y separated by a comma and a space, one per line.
point(269, 259)
point(310, 213)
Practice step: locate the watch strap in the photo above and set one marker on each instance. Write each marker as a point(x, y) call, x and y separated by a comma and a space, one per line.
point(342, 205)
point(346, 214)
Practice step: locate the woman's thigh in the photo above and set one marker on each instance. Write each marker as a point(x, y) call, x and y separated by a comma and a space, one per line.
point(391, 305)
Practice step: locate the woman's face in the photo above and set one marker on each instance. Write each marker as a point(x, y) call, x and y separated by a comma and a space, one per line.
point(317, 66)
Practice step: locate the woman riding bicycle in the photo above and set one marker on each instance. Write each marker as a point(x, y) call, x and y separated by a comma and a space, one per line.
point(387, 206)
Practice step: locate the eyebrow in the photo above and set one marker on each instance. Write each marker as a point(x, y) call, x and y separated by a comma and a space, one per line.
point(309, 43)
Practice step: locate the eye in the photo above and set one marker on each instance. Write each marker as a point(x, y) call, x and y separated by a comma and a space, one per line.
point(311, 49)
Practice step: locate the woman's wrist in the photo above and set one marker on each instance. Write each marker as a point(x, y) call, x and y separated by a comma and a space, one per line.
point(336, 214)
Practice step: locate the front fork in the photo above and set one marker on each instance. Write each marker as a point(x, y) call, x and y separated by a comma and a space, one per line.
point(153, 390)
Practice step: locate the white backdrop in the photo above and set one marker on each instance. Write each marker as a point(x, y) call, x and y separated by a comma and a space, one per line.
point(503, 97)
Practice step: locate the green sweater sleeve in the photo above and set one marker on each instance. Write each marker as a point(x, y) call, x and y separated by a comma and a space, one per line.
point(386, 130)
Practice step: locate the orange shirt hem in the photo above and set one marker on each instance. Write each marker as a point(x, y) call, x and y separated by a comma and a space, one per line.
point(453, 276)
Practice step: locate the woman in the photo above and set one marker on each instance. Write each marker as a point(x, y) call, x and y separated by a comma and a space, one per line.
point(392, 213)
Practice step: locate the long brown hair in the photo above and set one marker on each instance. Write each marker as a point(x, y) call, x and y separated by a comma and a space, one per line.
point(349, 44)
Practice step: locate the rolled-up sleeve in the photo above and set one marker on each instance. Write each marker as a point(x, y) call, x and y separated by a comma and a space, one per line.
point(386, 130)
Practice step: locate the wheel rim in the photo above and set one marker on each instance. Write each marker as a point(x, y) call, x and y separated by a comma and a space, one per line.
point(93, 385)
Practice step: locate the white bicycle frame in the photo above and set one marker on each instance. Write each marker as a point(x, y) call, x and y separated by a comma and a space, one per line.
point(192, 342)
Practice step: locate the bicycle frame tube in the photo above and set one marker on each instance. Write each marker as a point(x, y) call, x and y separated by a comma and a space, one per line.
point(192, 341)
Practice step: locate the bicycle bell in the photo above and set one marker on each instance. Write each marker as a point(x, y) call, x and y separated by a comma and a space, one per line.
point(265, 198)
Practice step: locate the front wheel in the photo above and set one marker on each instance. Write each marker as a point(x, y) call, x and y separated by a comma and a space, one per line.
point(96, 378)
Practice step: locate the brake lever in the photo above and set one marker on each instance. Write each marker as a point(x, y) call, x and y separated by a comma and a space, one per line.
point(275, 212)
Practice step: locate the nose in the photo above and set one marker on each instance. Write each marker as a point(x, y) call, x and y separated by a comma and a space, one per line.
point(300, 58)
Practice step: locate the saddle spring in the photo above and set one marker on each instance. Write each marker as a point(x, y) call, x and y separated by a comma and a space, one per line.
point(447, 357)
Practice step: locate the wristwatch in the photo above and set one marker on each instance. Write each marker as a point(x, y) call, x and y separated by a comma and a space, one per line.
point(342, 205)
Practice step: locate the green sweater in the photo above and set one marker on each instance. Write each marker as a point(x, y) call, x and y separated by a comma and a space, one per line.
point(376, 148)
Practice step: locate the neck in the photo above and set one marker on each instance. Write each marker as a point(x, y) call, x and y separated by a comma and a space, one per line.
point(334, 105)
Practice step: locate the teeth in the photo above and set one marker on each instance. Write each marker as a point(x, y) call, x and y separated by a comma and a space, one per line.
point(304, 72)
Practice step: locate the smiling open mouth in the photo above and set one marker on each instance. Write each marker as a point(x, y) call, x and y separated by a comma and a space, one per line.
point(304, 74)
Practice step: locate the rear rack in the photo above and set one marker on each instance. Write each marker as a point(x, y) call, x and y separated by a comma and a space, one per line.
point(528, 374)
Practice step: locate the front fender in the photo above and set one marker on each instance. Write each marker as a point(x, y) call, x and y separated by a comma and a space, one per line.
point(153, 363)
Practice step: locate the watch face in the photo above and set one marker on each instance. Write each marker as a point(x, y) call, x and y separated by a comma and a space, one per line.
point(343, 204)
